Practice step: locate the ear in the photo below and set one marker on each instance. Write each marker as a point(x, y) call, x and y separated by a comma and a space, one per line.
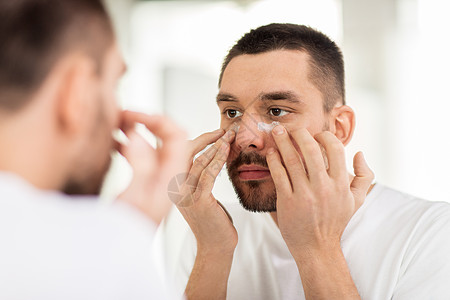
point(342, 123)
point(76, 77)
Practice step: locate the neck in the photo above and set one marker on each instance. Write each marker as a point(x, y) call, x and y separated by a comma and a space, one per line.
point(28, 149)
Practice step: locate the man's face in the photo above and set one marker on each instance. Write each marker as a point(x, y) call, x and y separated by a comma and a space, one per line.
point(102, 119)
point(267, 87)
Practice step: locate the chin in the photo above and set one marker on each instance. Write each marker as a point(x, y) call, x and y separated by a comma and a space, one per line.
point(88, 186)
point(87, 181)
point(256, 195)
point(255, 190)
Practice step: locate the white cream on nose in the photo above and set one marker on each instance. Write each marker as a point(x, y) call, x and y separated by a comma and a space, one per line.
point(267, 127)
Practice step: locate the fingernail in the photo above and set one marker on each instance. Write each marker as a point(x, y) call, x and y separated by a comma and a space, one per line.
point(278, 130)
point(270, 151)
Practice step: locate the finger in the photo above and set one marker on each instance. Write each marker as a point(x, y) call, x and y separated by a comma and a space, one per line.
point(171, 156)
point(363, 178)
point(202, 162)
point(161, 126)
point(140, 155)
point(278, 173)
point(312, 154)
point(228, 137)
point(210, 173)
point(291, 157)
point(172, 153)
point(335, 153)
point(200, 142)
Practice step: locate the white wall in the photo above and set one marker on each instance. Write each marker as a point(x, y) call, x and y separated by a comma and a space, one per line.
point(397, 70)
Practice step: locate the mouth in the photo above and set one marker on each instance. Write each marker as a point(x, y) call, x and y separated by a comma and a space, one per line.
point(253, 172)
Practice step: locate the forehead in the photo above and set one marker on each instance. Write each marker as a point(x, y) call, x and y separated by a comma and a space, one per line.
point(279, 70)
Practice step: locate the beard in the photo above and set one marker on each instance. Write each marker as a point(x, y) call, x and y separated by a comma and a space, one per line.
point(90, 183)
point(254, 195)
point(94, 161)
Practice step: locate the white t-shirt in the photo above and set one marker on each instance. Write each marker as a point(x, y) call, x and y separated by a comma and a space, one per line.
point(396, 247)
point(57, 247)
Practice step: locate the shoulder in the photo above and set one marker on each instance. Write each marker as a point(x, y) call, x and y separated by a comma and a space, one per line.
point(391, 204)
point(79, 246)
point(422, 230)
point(391, 219)
point(416, 224)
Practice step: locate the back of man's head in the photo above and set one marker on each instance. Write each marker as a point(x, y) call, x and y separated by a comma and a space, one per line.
point(326, 60)
point(35, 34)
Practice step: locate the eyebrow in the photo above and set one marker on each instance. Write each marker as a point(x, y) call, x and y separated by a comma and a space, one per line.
point(289, 96)
point(224, 97)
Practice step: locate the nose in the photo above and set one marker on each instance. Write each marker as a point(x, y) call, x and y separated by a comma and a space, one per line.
point(248, 137)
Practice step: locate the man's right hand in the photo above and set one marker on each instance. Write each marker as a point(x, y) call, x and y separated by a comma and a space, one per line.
point(207, 218)
point(216, 236)
point(153, 168)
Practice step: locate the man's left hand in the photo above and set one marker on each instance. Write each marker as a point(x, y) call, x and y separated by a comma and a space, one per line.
point(314, 203)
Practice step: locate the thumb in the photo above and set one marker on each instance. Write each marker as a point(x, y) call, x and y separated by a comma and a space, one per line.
point(362, 180)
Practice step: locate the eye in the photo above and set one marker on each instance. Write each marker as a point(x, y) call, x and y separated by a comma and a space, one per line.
point(277, 112)
point(232, 113)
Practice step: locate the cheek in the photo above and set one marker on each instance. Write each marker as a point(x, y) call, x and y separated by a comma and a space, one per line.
point(234, 152)
point(111, 107)
point(225, 123)
point(115, 117)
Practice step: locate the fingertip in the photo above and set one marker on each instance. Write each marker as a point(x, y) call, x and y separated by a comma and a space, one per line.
point(218, 132)
point(229, 136)
point(361, 167)
point(360, 159)
point(360, 154)
point(278, 130)
point(357, 157)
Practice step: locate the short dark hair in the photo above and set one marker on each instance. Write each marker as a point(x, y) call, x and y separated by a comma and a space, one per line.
point(326, 59)
point(35, 34)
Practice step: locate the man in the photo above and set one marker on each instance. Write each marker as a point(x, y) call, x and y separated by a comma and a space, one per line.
point(59, 67)
point(308, 232)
